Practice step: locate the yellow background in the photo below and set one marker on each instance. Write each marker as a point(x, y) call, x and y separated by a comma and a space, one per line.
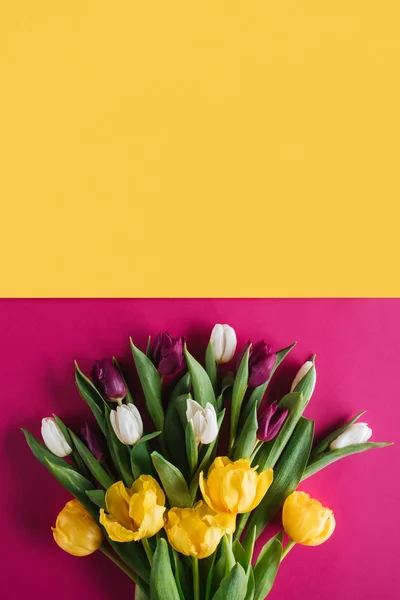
point(199, 148)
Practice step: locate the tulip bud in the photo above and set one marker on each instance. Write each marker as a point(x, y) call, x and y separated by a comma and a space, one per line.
point(223, 342)
point(271, 421)
point(261, 363)
point(168, 354)
point(204, 421)
point(127, 424)
point(108, 380)
point(76, 532)
point(301, 373)
point(54, 438)
point(93, 441)
point(358, 433)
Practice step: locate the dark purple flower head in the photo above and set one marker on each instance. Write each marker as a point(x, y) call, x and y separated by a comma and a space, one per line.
point(93, 441)
point(168, 353)
point(261, 363)
point(108, 380)
point(272, 419)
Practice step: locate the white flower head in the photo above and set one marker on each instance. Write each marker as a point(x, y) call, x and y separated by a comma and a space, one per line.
point(127, 424)
point(204, 421)
point(358, 433)
point(223, 342)
point(54, 438)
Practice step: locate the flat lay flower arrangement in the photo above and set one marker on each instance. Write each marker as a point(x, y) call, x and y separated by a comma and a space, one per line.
point(179, 507)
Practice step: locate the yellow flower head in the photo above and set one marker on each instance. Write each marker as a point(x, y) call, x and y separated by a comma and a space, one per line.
point(306, 521)
point(234, 487)
point(133, 513)
point(197, 531)
point(76, 531)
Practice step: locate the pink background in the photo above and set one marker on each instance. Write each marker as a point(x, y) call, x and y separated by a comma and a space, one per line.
point(357, 345)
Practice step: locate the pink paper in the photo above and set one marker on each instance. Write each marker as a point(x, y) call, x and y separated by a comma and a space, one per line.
point(357, 343)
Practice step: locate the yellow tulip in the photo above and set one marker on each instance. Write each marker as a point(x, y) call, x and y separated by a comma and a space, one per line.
point(306, 521)
point(197, 531)
point(234, 487)
point(133, 513)
point(76, 531)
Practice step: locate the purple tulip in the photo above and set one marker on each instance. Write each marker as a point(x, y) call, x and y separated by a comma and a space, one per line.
point(168, 354)
point(272, 419)
point(261, 363)
point(93, 441)
point(108, 380)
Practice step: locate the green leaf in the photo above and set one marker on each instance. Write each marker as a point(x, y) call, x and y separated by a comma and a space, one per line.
point(191, 448)
point(247, 437)
point(64, 430)
point(238, 392)
point(206, 460)
point(91, 396)
point(211, 366)
point(162, 581)
point(295, 403)
point(233, 585)
point(210, 576)
point(119, 454)
point(174, 431)
point(239, 554)
point(182, 387)
point(258, 393)
point(141, 463)
point(227, 553)
point(251, 585)
point(128, 397)
point(202, 386)
point(266, 568)
point(149, 436)
point(75, 483)
point(173, 482)
point(248, 547)
point(324, 444)
point(180, 577)
point(97, 497)
point(287, 475)
point(151, 384)
point(148, 347)
point(41, 452)
point(323, 460)
point(91, 462)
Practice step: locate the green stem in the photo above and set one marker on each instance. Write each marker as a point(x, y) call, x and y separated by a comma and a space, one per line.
point(287, 548)
point(242, 522)
point(119, 564)
point(196, 583)
point(255, 450)
point(148, 550)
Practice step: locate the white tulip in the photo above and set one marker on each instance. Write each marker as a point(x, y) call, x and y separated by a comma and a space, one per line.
point(204, 421)
point(301, 373)
point(223, 342)
point(358, 433)
point(127, 424)
point(54, 438)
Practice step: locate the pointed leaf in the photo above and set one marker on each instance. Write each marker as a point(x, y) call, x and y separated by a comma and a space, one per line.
point(266, 568)
point(97, 497)
point(151, 384)
point(91, 462)
point(238, 392)
point(191, 448)
point(91, 396)
point(119, 454)
point(174, 432)
point(233, 585)
point(173, 482)
point(202, 386)
point(141, 463)
point(323, 460)
point(40, 451)
point(162, 581)
point(307, 384)
point(75, 483)
point(247, 437)
point(211, 366)
point(324, 444)
point(182, 387)
point(207, 458)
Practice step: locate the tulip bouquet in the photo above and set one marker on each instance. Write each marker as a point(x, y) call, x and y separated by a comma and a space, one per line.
point(179, 507)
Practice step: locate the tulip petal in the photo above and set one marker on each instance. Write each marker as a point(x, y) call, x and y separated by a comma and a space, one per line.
point(116, 531)
point(117, 502)
point(205, 491)
point(151, 524)
point(264, 481)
